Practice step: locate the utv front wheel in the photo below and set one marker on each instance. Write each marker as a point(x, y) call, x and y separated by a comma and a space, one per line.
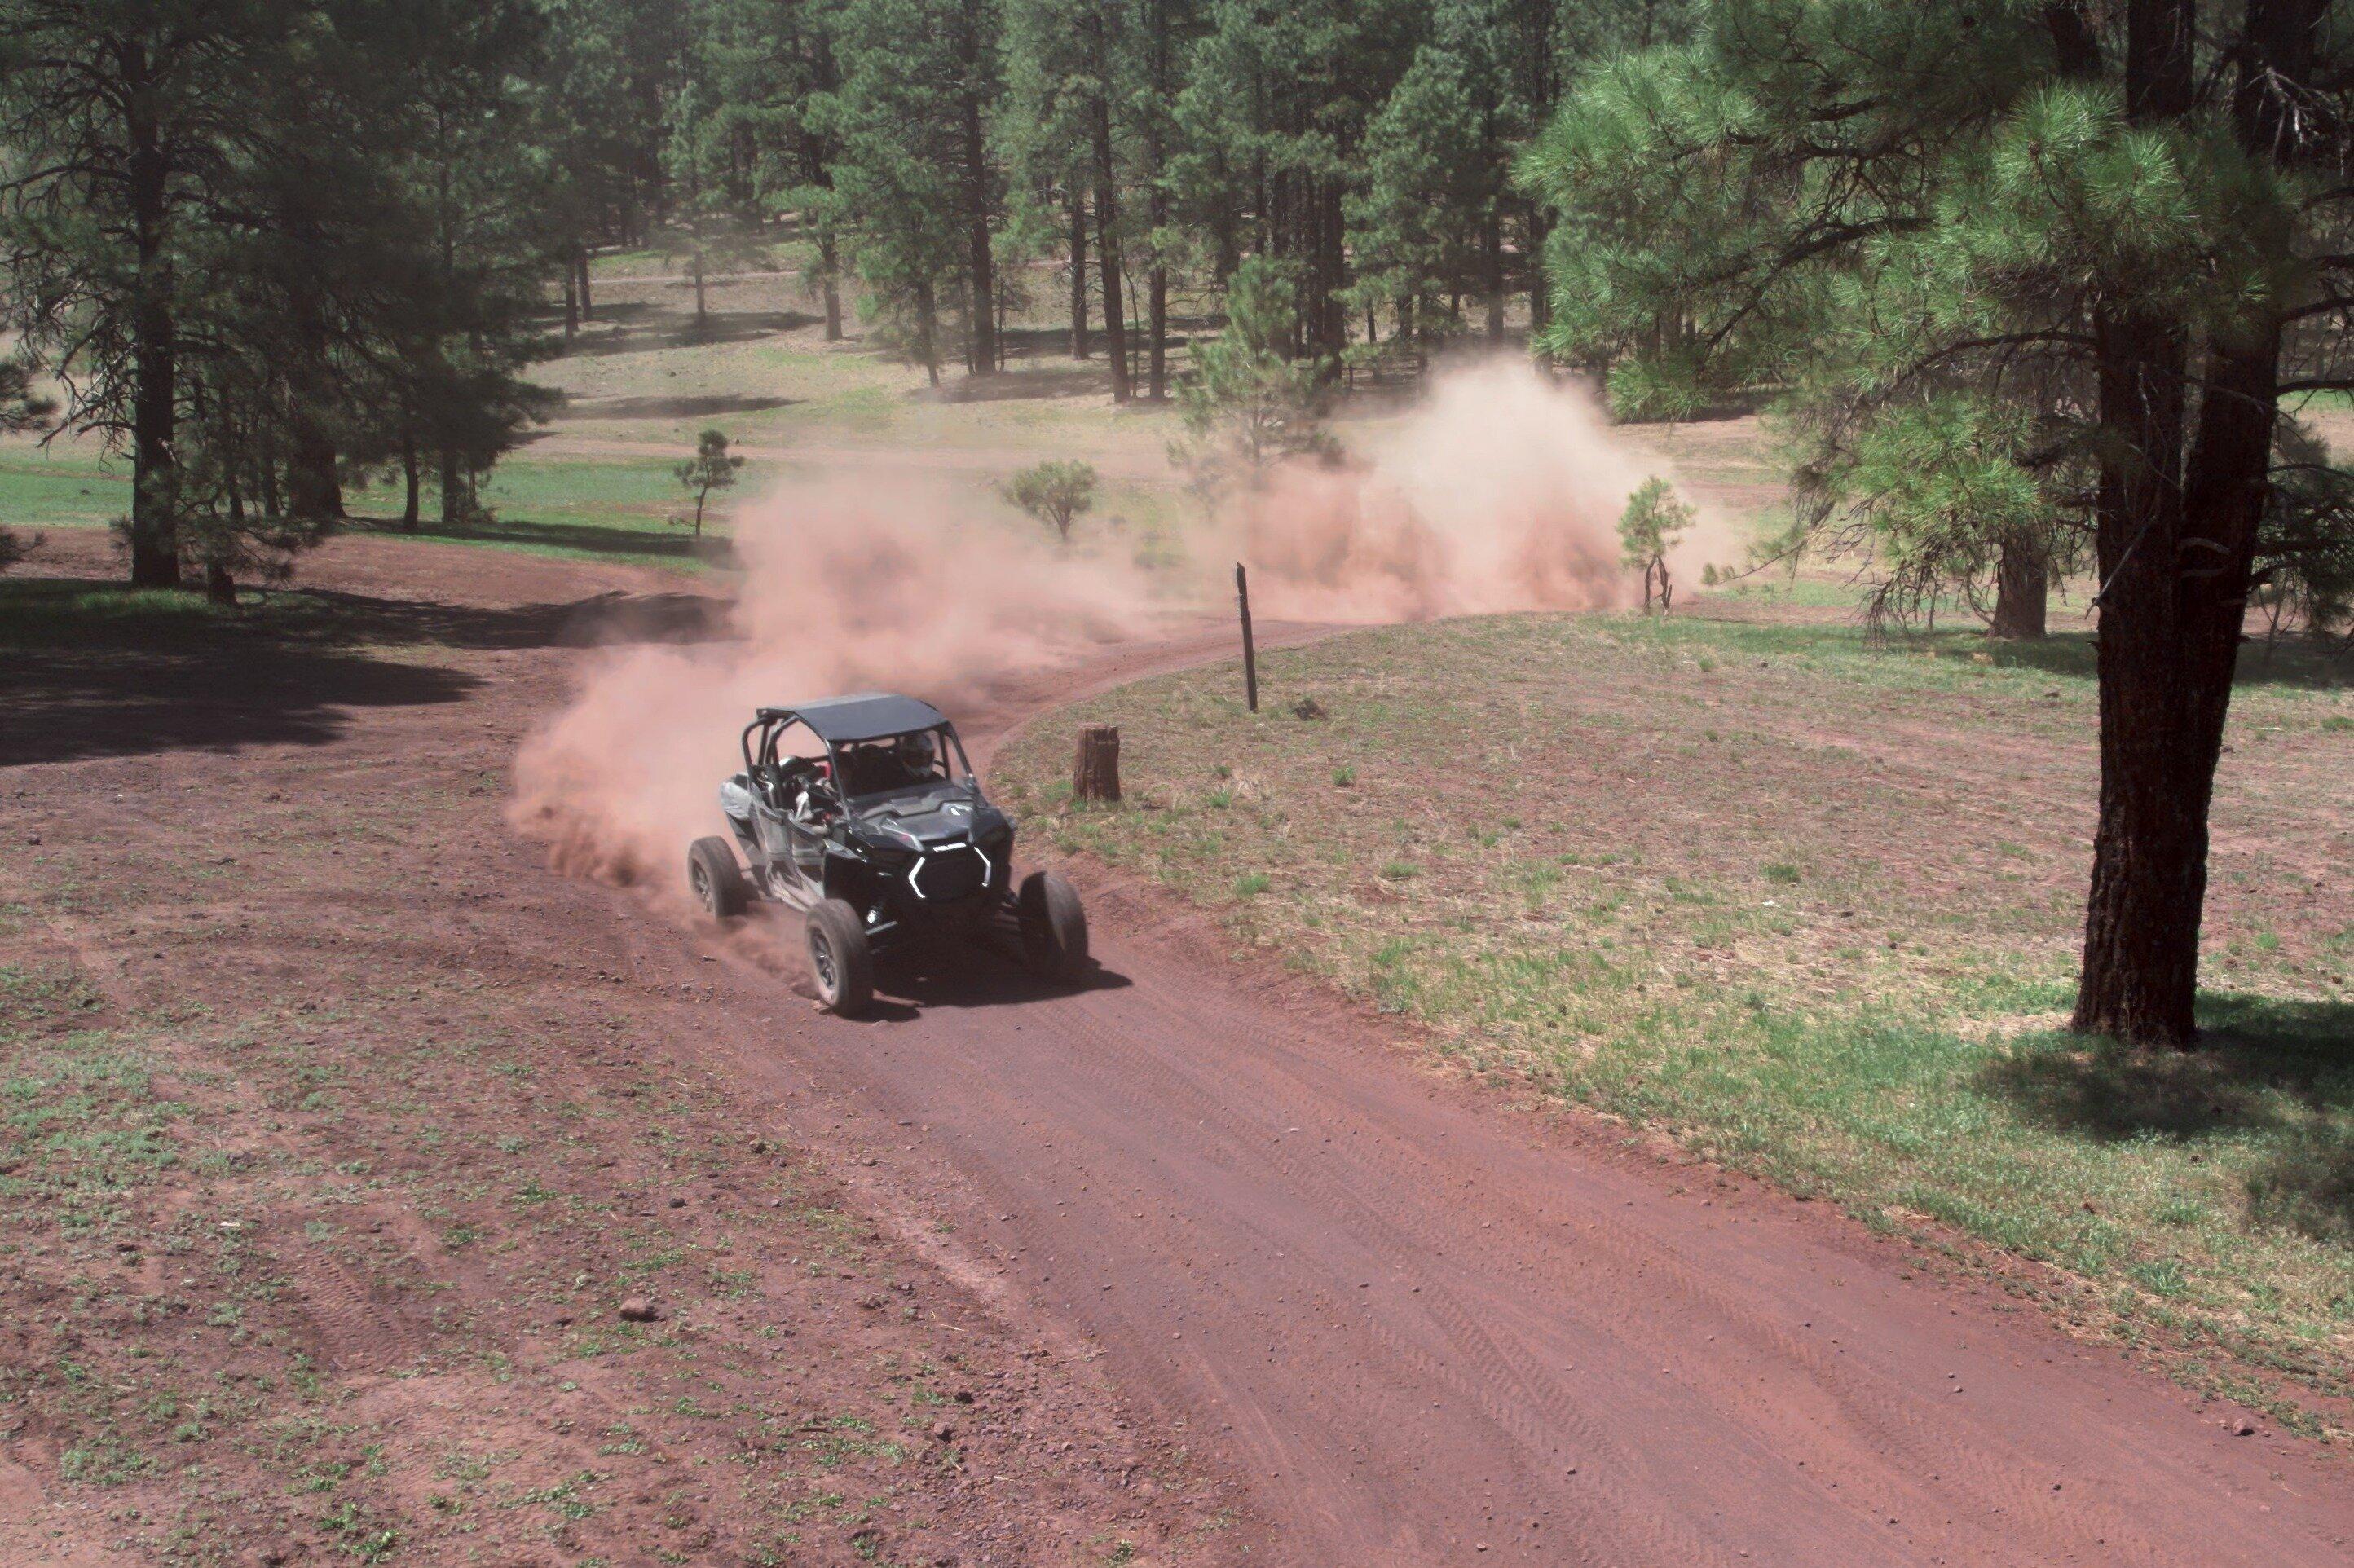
point(711, 873)
point(1053, 925)
point(841, 965)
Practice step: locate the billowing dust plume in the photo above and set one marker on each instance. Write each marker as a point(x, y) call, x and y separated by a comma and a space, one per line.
point(1500, 491)
point(892, 584)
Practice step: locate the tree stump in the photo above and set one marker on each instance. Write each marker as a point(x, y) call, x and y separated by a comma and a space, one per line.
point(1094, 774)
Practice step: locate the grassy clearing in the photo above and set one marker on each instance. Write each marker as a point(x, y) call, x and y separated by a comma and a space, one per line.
point(643, 379)
point(576, 508)
point(1809, 908)
point(581, 509)
point(759, 368)
point(73, 490)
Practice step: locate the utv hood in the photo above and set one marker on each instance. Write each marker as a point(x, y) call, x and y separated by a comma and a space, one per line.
point(913, 824)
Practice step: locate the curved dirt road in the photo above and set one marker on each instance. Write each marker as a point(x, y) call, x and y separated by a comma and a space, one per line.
point(1416, 1324)
point(1426, 1327)
point(1423, 1327)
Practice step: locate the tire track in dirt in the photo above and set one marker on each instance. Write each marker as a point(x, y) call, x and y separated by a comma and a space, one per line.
point(358, 1333)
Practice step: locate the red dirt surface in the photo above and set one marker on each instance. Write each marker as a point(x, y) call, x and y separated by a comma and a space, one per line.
point(1388, 1317)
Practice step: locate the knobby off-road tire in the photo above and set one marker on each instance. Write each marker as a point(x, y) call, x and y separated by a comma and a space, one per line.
point(717, 883)
point(1054, 927)
point(842, 964)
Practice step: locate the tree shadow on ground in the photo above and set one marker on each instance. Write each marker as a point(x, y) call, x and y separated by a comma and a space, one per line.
point(2278, 1072)
point(719, 328)
point(96, 672)
point(710, 407)
point(2299, 661)
point(986, 970)
point(1080, 378)
point(589, 538)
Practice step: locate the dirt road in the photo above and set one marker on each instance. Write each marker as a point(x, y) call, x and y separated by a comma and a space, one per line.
point(1414, 1324)
point(1427, 1328)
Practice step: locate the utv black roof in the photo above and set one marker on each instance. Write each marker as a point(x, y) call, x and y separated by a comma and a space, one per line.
point(868, 716)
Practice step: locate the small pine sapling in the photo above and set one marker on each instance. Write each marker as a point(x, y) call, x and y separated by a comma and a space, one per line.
point(1654, 520)
point(1058, 493)
point(713, 467)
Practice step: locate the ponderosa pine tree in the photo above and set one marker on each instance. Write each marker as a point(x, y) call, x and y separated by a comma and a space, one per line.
point(914, 174)
point(1277, 108)
point(486, 225)
point(758, 66)
point(272, 246)
point(1045, 139)
point(715, 217)
point(2101, 242)
point(1080, 100)
point(1249, 402)
point(116, 114)
point(1420, 230)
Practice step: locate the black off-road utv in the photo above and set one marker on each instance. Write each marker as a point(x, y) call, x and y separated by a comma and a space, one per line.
point(864, 813)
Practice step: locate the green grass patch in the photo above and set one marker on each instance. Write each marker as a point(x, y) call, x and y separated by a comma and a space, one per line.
point(39, 492)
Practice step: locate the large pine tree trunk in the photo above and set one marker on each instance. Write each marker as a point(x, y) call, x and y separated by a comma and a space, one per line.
point(1226, 240)
point(828, 263)
point(978, 259)
point(581, 275)
point(1492, 244)
point(1108, 250)
point(927, 331)
point(1107, 254)
point(2141, 924)
point(2175, 550)
point(314, 491)
point(266, 470)
point(221, 580)
point(1078, 214)
point(409, 484)
point(1156, 307)
point(2021, 591)
point(1327, 314)
point(1540, 305)
point(154, 490)
point(1156, 317)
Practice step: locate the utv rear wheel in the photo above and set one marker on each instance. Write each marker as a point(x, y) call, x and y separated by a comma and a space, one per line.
point(841, 965)
point(1054, 927)
point(711, 872)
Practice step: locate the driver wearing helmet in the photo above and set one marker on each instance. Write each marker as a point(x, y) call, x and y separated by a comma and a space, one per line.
point(918, 757)
point(808, 790)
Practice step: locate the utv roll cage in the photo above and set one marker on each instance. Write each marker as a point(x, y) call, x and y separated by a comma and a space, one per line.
point(846, 721)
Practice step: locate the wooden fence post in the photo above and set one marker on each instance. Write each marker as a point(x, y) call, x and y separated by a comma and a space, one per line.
point(1251, 656)
point(1095, 772)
